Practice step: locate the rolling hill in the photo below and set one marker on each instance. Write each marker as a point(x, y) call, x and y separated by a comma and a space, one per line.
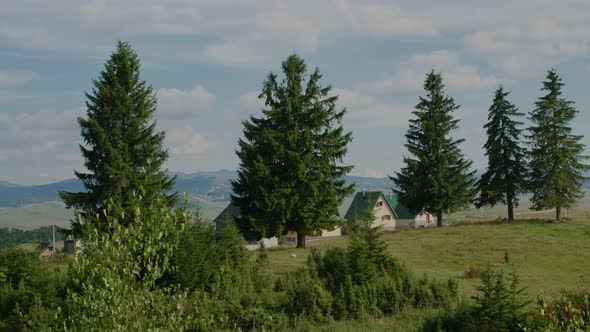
point(39, 205)
point(206, 186)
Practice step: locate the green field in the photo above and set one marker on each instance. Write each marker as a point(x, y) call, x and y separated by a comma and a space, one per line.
point(35, 215)
point(547, 256)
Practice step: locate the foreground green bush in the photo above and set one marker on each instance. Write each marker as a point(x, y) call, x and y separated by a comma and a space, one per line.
point(501, 306)
point(359, 282)
point(113, 283)
point(571, 312)
point(29, 290)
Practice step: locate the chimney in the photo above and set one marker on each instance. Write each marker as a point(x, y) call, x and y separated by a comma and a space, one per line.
point(363, 191)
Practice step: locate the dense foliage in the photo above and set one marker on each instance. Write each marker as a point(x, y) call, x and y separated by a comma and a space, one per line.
point(29, 290)
point(113, 283)
point(360, 282)
point(506, 173)
point(290, 176)
point(556, 155)
point(120, 141)
point(437, 177)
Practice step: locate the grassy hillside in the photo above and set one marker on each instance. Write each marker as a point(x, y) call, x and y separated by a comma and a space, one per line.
point(548, 257)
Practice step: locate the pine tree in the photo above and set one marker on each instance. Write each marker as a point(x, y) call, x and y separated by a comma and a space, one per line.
point(290, 176)
point(556, 160)
point(506, 174)
point(436, 179)
point(121, 144)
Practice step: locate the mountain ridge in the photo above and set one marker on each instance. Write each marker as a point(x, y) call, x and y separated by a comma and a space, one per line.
point(212, 186)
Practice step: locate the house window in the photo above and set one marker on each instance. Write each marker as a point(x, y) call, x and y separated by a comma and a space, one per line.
point(385, 217)
point(380, 204)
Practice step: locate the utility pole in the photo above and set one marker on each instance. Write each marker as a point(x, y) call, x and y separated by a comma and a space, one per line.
point(53, 227)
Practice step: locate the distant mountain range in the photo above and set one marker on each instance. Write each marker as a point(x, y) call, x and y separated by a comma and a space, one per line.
point(211, 187)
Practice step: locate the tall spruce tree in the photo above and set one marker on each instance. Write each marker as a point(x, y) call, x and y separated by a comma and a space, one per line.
point(506, 174)
point(290, 176)
point(556, 155)
point(436, 178)
point(121, 144)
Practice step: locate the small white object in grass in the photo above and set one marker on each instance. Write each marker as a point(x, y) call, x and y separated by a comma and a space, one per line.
point(293, 255)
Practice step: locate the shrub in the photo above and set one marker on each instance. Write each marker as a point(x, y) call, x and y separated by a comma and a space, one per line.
point(360, 281)
point(460, 318)
point(571, 312)
point(498, 306)
point(114, 280)
point(473, 272)
point(29, 289)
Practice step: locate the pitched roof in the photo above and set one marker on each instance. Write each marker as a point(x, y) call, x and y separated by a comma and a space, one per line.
point(229, 213)
point(401, 211)
point(364, 202)
point(362, 205)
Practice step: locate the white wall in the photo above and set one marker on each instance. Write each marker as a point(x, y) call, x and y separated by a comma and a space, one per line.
point(381, 211)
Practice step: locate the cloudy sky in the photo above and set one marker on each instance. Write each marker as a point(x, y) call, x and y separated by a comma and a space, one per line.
point(207, 59)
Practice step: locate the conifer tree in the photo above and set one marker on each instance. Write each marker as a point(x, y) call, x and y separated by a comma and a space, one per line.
point(290, 176)
point(506, 173)
point(121, 143)
point(556, 154)
point(436, 177)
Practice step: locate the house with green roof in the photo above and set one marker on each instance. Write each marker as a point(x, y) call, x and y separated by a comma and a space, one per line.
point(387, 211)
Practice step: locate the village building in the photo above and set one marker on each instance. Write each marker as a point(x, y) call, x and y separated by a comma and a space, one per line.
point(231, 212)
point(386, 211)
point(47, 252)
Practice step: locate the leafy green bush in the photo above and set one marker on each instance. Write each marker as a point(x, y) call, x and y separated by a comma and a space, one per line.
point(571, 312)
point(499, 306)
point(113, 283)
point(29, 289)
point(359, 282)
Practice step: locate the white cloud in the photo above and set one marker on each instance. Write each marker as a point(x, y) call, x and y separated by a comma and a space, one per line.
point(249, 102)
point(17, 78)
point(185, 141)
point(409, 75)
point(40, 134)
point(523, 49)
point(269, 29)
point(364, 111)
point(175, 102)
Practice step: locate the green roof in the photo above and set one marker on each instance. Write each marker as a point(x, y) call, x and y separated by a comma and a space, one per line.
point(364, 203)
point(400, 210)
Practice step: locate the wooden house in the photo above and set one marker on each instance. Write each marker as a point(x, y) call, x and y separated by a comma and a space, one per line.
point(386, 211)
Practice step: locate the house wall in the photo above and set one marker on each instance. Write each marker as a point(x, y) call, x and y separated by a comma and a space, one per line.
point(268, 243)
point(336, 232)
point(382, 209)
point(421, 221)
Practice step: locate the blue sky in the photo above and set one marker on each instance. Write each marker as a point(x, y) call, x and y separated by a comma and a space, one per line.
point(207, 60)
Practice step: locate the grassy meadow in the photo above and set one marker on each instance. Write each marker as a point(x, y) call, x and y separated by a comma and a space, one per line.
point(548, 257)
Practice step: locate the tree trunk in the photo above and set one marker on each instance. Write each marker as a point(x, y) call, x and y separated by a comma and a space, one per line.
point(510, 207)
point(439, 219)
point(300, 240)
point(558, 213)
